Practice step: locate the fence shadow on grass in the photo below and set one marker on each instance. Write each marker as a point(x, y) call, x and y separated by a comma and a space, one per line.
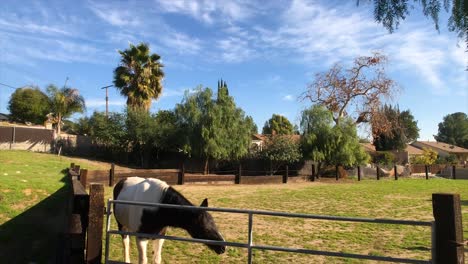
point(34, 235)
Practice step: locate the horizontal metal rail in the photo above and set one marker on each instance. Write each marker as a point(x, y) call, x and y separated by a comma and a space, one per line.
point(250, 245)
point(282, 214)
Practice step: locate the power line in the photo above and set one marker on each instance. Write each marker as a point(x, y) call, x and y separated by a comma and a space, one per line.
point(9, 86)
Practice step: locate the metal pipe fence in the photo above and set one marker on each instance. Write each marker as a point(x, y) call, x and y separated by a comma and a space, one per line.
point(250, 246)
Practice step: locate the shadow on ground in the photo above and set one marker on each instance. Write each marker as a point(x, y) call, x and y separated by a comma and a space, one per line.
point(34, 235)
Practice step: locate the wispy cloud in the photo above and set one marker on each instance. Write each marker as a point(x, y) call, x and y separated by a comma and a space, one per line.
point(32, 27)
point(116, 16)
point(235, 50)
point(182, 43)
point(209, 11)
point(94, 103)
point(288, 97)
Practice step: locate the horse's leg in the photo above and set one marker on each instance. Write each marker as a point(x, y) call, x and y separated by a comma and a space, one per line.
point(141, 244)
point(126, 245)
point(157, 247)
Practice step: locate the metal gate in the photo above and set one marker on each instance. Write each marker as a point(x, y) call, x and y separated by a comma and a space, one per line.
point(250, 246)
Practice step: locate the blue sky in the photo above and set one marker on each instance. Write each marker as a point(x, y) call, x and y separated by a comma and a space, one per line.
point(266, 51)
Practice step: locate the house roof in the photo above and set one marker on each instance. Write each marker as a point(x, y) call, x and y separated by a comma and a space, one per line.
point(413, 150)
point(443, 146)
point(258, 137)
point(3, 117)
point(369, 147)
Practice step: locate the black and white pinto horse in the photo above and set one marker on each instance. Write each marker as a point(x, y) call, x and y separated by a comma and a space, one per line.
point(155, 220)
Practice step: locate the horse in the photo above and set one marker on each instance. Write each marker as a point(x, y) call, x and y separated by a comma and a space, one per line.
point(155, 220)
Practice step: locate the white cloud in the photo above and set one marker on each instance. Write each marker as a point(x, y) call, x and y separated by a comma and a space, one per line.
point(209, 11)
point(116, 16)
point(93, 103)
point(235, 50)
point(181, 42)
point(288, 97)
point(172, 92)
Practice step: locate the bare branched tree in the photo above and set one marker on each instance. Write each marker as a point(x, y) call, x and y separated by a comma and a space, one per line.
point(357, 92)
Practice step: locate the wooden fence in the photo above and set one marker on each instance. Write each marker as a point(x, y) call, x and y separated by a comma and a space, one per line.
point(83, 237)
point(180, 176)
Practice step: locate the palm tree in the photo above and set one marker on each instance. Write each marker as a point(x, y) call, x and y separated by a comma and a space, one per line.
point(64, 102)
point(139, 76)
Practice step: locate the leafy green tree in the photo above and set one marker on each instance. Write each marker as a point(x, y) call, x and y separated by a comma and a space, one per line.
point(63, 103)
point(278, 125)
point(326, 142)
point(280, 150)
point(402, 129)
point(428, 157)
point(213, 128)
point(390, 12)
point(454, 130)
point(108, 130)
point(29, 104)
point(139, 76)
point(140, 127)
point(167, 134)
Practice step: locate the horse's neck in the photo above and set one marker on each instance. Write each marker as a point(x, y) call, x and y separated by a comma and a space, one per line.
point(181, 218)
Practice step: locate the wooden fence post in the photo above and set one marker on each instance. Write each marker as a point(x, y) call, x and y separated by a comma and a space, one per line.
point(336, 172)
point(77, 169)
point(111, 175)
point(96, 217)
point(285, 175)
point(378, 174)
point(237, 179)
point(453, 172)
point(84, 177)
point(312, 177)
point(181, 178)
point(448, 228)
point(427, 171)
point(359, 173)
point(72, 166)
point(395, 171)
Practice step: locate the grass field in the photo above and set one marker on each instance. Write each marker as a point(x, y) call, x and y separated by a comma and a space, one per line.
point(32, 193)
point(32, 198)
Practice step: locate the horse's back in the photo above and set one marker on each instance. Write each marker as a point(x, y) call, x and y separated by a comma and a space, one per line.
point(137, 189)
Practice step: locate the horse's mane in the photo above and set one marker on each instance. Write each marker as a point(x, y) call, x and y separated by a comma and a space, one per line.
point(172, 196)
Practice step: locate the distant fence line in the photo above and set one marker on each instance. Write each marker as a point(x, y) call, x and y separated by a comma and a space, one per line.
point(179, 176)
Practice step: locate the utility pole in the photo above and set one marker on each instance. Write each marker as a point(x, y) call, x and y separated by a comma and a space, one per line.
point(107, 99)
point(6, 85)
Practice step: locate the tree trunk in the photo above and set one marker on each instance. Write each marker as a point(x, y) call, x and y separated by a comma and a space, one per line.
point(59, 125)
point(205, 170)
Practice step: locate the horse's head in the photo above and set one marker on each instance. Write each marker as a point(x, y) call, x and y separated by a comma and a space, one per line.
point(205, 228)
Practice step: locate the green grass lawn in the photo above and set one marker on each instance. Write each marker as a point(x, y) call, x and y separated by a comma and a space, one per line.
point(32, 201)
point(32, 197)
point(408, 199)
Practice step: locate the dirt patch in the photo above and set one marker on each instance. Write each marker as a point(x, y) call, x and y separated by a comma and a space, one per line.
point(34, 197)
point(27, 192)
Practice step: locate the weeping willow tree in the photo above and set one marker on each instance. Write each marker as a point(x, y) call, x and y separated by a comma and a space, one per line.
point(213, 128)
point(391, 12)
point(329, 143)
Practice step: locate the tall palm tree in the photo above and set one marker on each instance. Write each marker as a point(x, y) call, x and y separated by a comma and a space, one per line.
point(139, 76)
point(63, 103)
